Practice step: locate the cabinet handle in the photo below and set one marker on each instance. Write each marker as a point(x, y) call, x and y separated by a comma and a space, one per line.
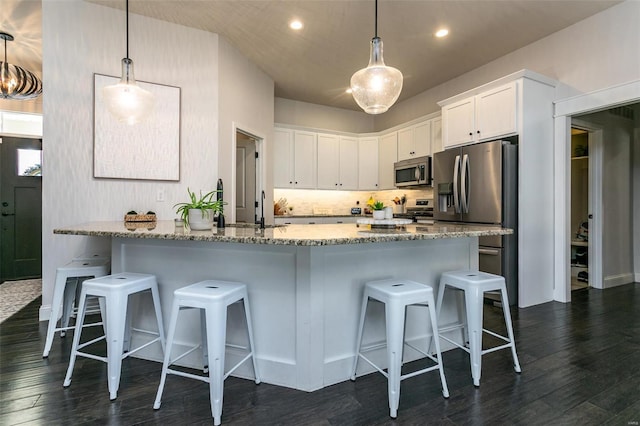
point(478, 131)
point(336, 184)
point(340, 184)
point(290, 182)
point(296, 182)
point(470, 133)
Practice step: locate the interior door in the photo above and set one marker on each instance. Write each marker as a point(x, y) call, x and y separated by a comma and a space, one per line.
point(20, 208)
point(245, 179)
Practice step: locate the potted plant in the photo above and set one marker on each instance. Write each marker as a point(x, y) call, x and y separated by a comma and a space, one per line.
point(378, 209)
point(198, 213)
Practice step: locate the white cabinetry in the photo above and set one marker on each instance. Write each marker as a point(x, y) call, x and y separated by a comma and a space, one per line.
point(414, 141)
point(487, 115)
point(387, 155)
point(294, 155)
point(337, 162)
point(368, 163)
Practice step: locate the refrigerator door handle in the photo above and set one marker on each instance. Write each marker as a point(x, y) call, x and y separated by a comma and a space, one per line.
point(464, 187)
point(456, 199)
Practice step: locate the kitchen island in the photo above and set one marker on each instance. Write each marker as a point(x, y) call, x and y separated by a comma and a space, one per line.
point(305, 285)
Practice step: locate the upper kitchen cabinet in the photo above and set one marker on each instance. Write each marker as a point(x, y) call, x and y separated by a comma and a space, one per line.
point(484, 116)
point(368, 163)
point(337, 162)
point(294, 155)
point(414, 141)
point(387, 155)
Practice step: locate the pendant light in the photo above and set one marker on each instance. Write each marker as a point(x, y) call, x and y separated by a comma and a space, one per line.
point(127, 101)
point(15, 82)
point(376, 87)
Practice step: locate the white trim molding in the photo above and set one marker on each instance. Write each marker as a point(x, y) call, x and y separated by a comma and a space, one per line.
point(599, 99)
point(616, 280)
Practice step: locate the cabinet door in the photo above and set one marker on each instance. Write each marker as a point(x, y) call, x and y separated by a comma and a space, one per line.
point(304, 160)
point(496, 112)
point(348, 163)
point(405, 144)
point(368, 163)
point(436, 135)
point(422, 139)
point(328, 158)
point(387, 155)
point(283, 158)
point(458, 123)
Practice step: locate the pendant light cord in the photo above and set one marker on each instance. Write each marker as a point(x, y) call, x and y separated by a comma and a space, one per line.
point(127, 2)
point(376, 20)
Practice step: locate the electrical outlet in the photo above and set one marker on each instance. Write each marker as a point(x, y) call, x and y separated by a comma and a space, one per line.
point(160, 195)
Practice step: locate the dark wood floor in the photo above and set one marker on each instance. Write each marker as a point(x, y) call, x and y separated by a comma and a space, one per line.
point(580, 362)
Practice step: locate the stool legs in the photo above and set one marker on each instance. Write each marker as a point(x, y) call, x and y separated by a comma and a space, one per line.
point(473, 302)
point(507, 320)
point(76, 338)
point(58, 296)
point(247, 315)
point(175, 308)
point(436, 339)
point(363, 311)
point(116, 314)
point(216, 338)
point(395, 316)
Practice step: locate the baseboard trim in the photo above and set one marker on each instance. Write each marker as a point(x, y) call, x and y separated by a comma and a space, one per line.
point(637, 277)
point(617, 280)
point(45, 313)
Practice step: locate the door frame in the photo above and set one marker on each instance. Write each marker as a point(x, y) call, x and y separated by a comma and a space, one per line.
point(596, 209)
point(261, 169)
point(564, 110)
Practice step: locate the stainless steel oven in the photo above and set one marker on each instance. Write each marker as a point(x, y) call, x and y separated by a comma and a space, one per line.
point(413, 172)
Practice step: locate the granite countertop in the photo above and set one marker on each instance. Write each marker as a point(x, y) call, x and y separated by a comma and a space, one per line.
point(298, 235)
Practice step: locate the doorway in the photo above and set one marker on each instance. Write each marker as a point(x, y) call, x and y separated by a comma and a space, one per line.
point(580, 212)
point(20, 208)
point(246, 172)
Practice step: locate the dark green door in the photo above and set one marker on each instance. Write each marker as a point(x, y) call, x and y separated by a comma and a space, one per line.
point(20, 208)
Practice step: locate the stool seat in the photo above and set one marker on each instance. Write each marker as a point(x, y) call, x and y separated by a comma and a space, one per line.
point(115, 289)
point(64, 294)
point(212, 298)
point(397, 295)
point(474, 284)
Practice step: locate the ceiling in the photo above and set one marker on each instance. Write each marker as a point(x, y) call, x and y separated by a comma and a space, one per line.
point(315, 64)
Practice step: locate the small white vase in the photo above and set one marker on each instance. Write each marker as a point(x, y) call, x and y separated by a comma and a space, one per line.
point(200, 220)
point(378, 214)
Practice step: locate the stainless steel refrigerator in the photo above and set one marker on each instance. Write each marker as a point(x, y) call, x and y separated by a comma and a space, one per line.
point(478, 184)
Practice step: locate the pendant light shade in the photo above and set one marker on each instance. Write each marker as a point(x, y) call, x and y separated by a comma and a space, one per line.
point(127, 101)
point(16, 82)
point(376, 87)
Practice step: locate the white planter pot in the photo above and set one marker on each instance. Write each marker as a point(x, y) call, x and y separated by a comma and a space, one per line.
point(200, 220)
point(378, 214)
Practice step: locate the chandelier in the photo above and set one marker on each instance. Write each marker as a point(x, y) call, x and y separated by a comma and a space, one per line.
point(16, 82)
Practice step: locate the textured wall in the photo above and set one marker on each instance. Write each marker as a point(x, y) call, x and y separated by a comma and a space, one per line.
point(304, 114)
point(80, 39)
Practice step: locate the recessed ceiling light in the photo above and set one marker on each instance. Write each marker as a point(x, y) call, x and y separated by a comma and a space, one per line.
point(296, 24)
point(442, 32)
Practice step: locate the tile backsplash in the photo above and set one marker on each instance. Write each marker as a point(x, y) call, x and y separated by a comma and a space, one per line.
point(307, 202)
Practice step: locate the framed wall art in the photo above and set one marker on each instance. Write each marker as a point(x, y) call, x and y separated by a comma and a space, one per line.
point(149, 150)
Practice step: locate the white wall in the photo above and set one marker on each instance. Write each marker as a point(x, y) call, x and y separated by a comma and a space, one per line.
point(595, 53)
point(636, 194)
point(304, 114)
point(80, 39)
point(246, 94)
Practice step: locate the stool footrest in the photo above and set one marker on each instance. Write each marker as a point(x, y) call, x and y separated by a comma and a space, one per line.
point(249, 355)
point(179, 357)
point(415, 373)
point(71, 327)
point(496, 335)
point(133, 351)
point(188, 375)
point(92, 356)
point(381, 371)
point(496, 348)
point(91, 342)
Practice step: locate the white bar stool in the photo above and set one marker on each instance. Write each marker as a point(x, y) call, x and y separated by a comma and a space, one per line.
point(115, 289)
point(213, 298)
point(397, 295)
point(64, 293)
point(474, 284)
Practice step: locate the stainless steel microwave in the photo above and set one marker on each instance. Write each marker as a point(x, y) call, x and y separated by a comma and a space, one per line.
point(413, 172)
